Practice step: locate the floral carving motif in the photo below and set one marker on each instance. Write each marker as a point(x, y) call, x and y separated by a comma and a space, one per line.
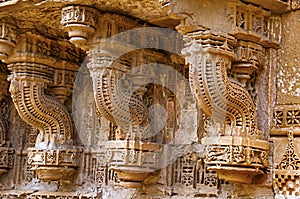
point(285, 116)
point(293, 117)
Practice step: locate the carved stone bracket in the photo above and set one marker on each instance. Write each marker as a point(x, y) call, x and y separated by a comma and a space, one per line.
point(38, 69)
point(127, 111)
point(119, 94)
point(286, 177)
point(235, 144)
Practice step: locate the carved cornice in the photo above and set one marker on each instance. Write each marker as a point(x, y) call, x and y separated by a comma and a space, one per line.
point(235, 144)
point(251, 23)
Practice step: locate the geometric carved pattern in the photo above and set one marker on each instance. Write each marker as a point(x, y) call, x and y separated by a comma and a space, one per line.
point(286, 178)
point(286, 117)
point(190, 171)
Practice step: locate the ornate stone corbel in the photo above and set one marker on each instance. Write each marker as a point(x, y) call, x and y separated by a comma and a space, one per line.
point(286, 177)
point(33, 66)
point(234, 146)
point(119, 95)
point(6, 152)
point(131, 157)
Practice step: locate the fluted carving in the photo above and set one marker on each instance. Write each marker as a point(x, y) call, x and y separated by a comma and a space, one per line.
point(116, 103)
point(226, 100)
point(41, 80)
point(44, 112)
point(235, 140)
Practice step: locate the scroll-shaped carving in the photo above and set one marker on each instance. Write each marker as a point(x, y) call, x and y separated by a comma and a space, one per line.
point(34, 70)
point(286, 175)
point(234, 145)
point(119, 85)
point(39, 110)
point(125, 108)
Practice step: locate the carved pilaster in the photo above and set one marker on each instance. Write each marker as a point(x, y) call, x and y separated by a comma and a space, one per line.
point(34, 66)
point(234, 146)
point(6, 153)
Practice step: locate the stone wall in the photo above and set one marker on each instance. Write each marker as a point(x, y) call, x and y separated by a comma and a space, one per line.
point(151, 99)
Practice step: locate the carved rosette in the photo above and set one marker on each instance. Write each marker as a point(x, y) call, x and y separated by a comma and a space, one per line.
point(233, 147)
point(79, 22)
point(285, 118)
point(33, 66)
point(7, 39)
point(286, 176)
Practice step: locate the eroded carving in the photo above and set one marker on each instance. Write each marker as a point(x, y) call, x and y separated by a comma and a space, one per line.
point(7, 39)
point(6, 153)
